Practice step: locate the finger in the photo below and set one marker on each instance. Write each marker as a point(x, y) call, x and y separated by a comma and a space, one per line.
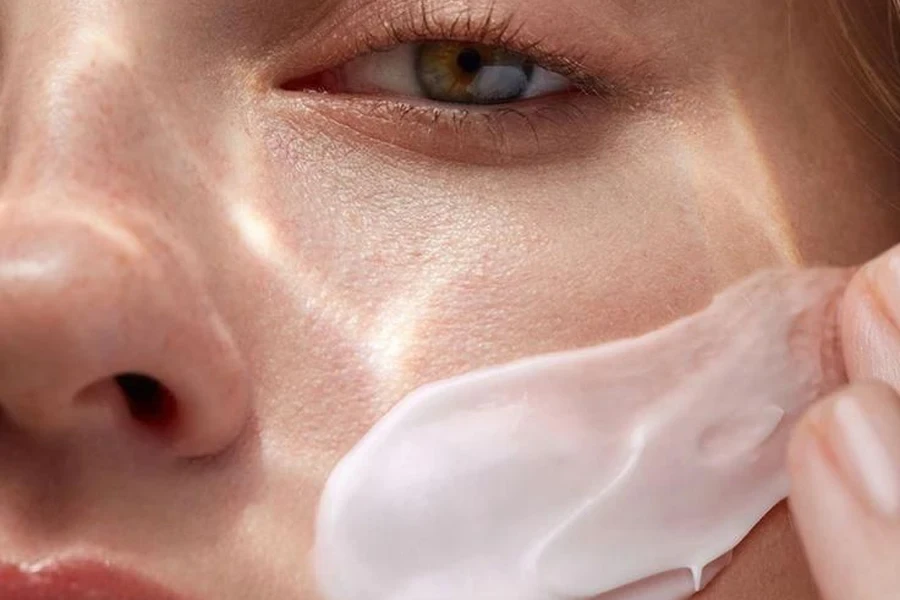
point(870, 321)
point(844, 461)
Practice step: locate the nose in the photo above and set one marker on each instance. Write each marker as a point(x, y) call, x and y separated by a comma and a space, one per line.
point(105, 318)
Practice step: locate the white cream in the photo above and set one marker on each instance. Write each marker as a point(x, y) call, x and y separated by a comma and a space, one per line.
point(627, 471)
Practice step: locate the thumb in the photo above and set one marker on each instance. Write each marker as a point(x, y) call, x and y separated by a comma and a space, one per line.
point(844, 462)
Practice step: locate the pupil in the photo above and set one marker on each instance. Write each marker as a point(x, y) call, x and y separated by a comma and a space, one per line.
point(469, 60)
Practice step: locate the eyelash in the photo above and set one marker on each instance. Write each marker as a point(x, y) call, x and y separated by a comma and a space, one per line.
point(467, 133)
point(490, 30)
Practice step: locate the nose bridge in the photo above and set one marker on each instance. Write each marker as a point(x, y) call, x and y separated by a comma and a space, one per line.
point(101, 284)
point(79, 102)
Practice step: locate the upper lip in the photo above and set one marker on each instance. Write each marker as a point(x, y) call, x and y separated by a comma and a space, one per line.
point(81, 580)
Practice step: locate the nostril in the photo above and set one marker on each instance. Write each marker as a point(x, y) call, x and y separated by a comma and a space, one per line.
point(149, 401)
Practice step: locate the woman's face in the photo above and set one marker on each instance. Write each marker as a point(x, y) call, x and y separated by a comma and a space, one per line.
point(201, 193)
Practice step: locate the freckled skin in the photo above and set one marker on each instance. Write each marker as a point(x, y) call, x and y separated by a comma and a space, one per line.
point(337, 259)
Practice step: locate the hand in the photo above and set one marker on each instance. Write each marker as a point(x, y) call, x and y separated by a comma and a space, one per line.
point(844, 457)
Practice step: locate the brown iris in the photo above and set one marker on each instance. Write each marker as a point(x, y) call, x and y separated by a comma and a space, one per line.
point(472, 73)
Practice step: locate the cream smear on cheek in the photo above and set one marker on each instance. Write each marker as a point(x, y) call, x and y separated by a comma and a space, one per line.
point(621, 472)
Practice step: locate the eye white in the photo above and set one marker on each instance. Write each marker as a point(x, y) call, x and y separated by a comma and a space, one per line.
point(544, 83)
point(394, 72)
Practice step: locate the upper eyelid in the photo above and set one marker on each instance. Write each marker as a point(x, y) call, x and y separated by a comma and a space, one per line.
point(417, 20)
point(499, 31)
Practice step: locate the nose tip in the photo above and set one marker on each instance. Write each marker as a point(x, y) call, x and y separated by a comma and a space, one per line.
point(103, 314)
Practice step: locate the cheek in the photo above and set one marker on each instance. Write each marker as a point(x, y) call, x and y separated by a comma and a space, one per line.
point(418, 273)
point(635, 247)
point(771, 548)
point(389, 273)
point(567, 292)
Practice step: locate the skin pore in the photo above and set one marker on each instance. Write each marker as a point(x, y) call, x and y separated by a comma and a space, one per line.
point(334, 251)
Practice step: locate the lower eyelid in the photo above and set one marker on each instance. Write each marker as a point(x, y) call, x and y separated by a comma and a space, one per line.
point(502, 134)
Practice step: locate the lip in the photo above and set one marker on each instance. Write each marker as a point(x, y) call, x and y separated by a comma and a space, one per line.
point(77, 581)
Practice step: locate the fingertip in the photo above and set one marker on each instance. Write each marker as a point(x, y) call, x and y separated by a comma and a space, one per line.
point(821, 434)
point(806, 439)
point(845, 491)
point(869, 318)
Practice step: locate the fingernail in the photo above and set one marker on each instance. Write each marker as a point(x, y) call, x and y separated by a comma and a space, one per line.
point(865, 440)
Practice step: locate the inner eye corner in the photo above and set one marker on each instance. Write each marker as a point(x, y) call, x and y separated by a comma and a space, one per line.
point(316, 82)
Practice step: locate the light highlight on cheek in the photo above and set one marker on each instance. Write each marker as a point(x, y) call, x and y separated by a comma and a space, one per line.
point(255, 230)
point(764, 201)
point(395, 332)
point(740, 197)
point(105, 46)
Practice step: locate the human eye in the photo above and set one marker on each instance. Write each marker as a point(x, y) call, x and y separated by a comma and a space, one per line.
point(451, 72)
point(461, 85)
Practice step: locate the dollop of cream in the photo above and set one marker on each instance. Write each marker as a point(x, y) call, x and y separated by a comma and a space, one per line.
point(626, 471)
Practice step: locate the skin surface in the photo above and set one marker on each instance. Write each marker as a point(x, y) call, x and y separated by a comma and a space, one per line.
point(291, 264)
point(593, 468)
